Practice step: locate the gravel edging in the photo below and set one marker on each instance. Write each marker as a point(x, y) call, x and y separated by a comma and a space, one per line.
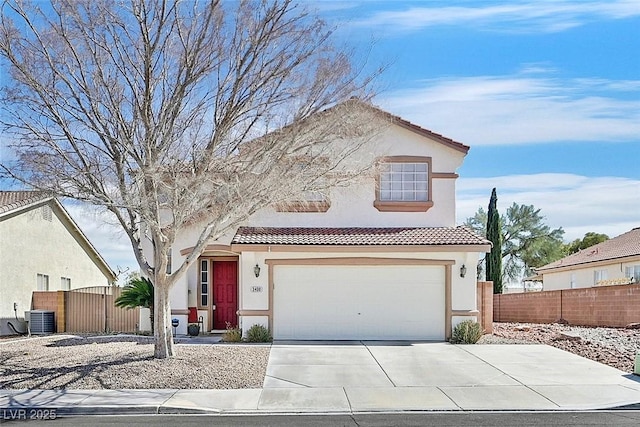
point(616, 347)
point(127, 362)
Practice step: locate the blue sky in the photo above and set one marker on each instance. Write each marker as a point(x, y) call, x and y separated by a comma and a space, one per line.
point(546, 93)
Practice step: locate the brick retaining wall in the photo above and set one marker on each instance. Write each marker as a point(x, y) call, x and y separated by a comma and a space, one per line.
point(614, 306)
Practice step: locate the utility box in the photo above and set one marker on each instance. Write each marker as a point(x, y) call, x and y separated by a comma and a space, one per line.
point(636, 368)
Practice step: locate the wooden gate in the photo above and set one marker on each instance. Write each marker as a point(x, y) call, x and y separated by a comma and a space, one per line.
point(92, 310)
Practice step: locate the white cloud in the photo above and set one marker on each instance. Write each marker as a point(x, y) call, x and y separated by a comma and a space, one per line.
point(532, 16)
point(519, 109)
point(578, 204)
point(332, 5)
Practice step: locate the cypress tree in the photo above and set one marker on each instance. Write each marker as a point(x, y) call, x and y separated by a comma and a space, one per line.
point(494, 258)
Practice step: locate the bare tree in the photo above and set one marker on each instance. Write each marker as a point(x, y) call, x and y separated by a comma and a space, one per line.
point(175, 113)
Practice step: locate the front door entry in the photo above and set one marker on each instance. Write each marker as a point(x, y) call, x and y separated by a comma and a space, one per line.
point(225, 293)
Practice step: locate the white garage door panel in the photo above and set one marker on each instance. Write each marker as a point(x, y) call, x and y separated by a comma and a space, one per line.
point(359, 302)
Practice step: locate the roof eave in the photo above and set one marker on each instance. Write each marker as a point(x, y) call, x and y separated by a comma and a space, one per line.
point(279, 247)
point(33, 203)
point(564, 267)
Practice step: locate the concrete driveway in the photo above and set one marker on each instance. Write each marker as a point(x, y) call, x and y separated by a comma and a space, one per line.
point(373, 376)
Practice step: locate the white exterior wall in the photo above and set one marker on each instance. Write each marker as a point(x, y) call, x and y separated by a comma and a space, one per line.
point(585, 275)
point(463, 290)
point(351, 206)
point(30, 244)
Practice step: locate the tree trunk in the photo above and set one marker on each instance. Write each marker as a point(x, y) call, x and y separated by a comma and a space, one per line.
point(162, 328)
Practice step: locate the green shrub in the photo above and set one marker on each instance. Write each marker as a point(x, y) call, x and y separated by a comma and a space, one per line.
point(258, 333)
point(233, 334)
point(467, 332)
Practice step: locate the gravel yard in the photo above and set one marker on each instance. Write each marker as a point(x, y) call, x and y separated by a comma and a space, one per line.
point(126, 362)
point(615, 347)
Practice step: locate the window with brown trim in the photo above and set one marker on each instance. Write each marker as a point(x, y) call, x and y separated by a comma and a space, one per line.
point(312, 200)
point(404, 184)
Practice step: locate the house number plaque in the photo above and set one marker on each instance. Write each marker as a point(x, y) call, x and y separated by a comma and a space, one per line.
point(256, 289)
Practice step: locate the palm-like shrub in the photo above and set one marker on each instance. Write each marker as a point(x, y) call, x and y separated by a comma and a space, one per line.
point(137, 293)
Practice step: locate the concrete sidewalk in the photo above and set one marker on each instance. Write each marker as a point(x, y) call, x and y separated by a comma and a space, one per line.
point(377, 377)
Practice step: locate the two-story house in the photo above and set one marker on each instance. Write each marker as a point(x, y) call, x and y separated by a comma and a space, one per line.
point(379, 259)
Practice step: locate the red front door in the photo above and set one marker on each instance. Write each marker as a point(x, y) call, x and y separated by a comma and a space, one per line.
point(225, 293)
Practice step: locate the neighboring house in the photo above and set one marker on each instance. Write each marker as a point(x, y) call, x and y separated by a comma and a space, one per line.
point(380, 259)
point(613, 262)
point(41, 248)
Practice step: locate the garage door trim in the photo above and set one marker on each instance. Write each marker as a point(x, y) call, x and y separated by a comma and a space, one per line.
point(354, 261)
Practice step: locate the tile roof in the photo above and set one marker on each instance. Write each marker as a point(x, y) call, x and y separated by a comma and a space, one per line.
point(627, 244)
point(11, 200)
point(425, 132)
point(408, 125)
point(356, 236)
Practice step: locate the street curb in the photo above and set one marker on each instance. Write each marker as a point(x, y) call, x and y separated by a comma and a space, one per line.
point(107, 410)
point(176, 410)
point(629, 407)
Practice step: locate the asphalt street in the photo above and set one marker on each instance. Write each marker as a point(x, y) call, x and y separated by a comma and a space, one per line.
point(471, 419)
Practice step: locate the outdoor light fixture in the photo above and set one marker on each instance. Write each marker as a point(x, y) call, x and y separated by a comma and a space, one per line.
point(463, 271)
point(256, 270)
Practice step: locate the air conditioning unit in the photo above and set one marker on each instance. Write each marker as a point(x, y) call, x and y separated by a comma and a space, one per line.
point(40, 321)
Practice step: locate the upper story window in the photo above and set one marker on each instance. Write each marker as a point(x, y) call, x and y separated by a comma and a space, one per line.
point(633, 273)
point(42, 282)
point(404, 184)
point(65, 283)
point(311, 200)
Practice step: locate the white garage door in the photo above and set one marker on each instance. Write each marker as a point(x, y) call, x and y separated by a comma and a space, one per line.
point(359, 302)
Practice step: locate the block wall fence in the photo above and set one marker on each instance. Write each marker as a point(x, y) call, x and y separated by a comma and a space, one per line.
point(613, 306)
point(485, 306)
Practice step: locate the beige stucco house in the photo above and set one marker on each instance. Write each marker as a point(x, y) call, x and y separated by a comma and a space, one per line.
point(379, 259)
point(41, 248)
point(612, 262)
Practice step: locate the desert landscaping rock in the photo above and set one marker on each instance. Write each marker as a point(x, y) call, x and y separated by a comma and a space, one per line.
point(615, 347)
point(560, 336)
point(117, 362)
